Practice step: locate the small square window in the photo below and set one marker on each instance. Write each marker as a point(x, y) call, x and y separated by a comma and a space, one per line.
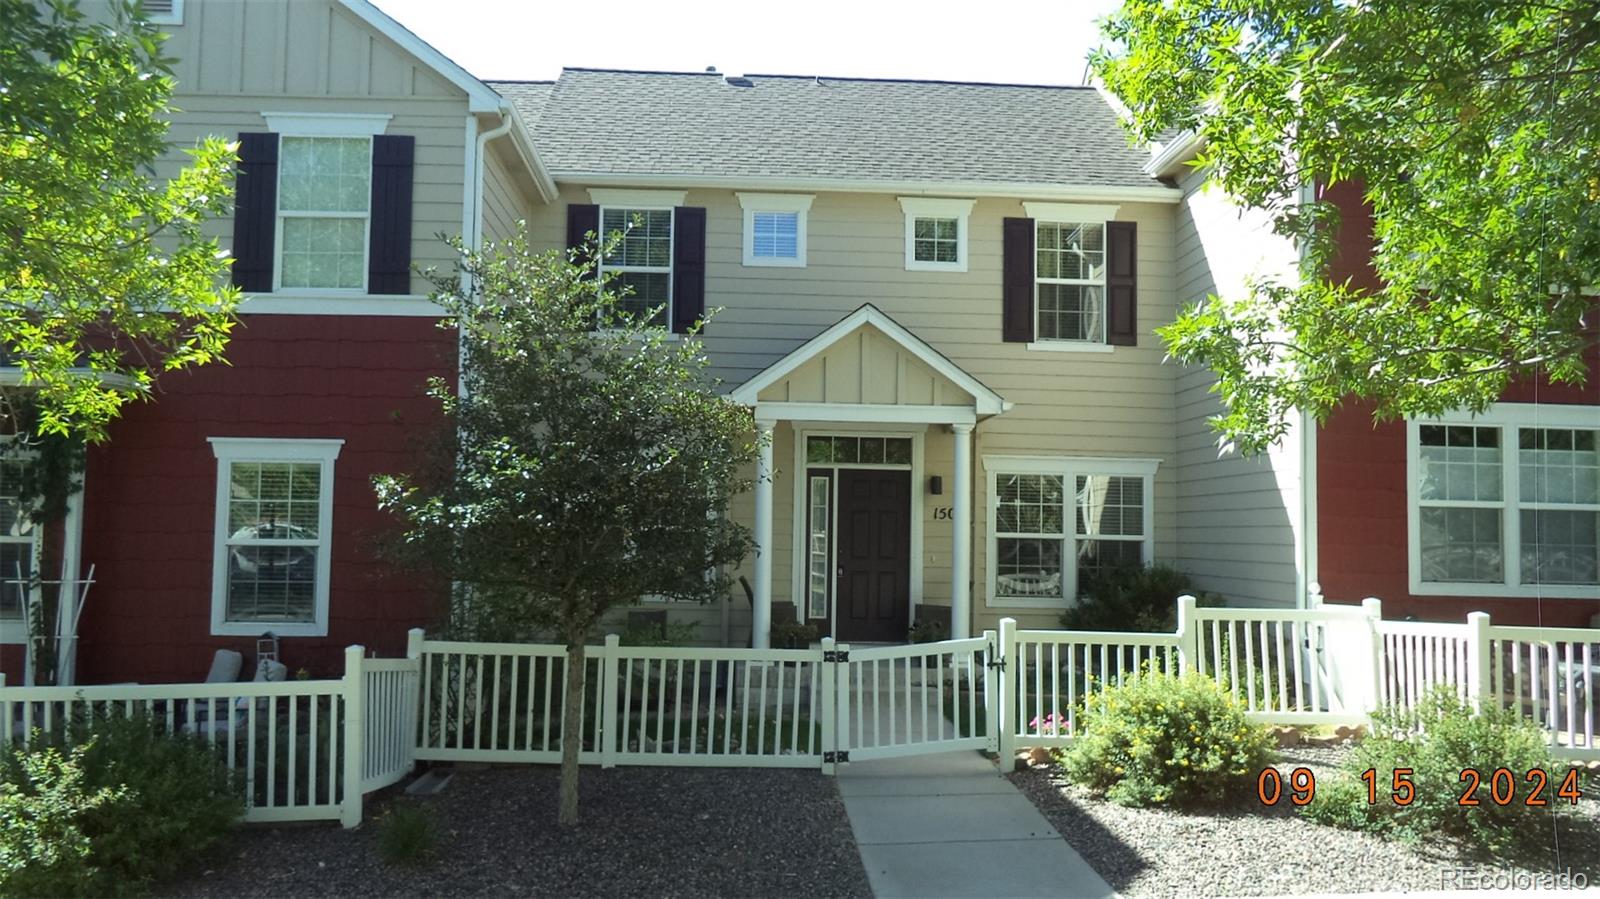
point(936, 233)
point(775, 229)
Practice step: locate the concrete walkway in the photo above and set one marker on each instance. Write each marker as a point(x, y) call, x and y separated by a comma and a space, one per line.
point(949, 825)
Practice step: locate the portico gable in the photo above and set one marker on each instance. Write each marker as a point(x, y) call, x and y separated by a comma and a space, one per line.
point(867, 369)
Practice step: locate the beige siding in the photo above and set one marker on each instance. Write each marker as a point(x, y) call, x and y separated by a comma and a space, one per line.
point(1117, 404)
point(506, 201)
point(866, 367)
point(1237, 517)
point(236, 60)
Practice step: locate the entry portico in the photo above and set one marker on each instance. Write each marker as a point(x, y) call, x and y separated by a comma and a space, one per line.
point(859, 400)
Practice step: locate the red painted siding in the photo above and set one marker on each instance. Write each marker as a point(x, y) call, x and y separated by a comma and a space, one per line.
point(1361, 482)
point(150, 492)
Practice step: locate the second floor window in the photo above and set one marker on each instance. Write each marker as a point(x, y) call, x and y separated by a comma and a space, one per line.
point(641, 262)
point(324, 198)
point(936, 233)
point(1070, 281)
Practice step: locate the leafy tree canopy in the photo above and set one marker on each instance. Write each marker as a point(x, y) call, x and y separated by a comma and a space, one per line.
point(1473, 127)
point(105, 277)
point(585, 468)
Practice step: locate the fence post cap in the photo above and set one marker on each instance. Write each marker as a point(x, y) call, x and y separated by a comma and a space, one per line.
point(1373, 605)
point(1478, 619)
point(613, 640)
point(827, 642)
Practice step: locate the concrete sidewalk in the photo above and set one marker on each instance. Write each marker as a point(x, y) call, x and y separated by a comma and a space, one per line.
point(949, 825)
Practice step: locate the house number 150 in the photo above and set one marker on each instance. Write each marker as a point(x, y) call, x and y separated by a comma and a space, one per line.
point(941, 513)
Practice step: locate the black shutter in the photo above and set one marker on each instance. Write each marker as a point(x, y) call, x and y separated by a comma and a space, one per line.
point(583, 220)
point(1122, 295)
point(389, 256)
point(688, 267)
point(255, 211)
point(1016, 307)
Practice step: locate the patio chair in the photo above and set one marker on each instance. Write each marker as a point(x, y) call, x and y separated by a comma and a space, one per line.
point(267, 671)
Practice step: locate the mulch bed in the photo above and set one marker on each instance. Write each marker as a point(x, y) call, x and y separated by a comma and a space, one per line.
point(1248, 850)
point(643, 832)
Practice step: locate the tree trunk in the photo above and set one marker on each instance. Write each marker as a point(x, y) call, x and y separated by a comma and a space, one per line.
point(572, 721)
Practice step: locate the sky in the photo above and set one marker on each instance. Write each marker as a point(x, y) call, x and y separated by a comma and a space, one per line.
point(1000, 41)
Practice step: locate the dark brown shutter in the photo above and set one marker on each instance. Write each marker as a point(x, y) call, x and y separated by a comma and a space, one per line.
point(255, 211)
point(583, 227)
point(688, 267)
point(1122, 295)
point(389, 256)
point(1016, 307)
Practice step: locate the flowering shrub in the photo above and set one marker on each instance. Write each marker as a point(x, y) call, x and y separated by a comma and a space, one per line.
point(1161, 739)
point(1054, 724)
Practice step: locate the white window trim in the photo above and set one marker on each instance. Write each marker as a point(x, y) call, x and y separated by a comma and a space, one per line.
point(653, 199)
point(279, 215)
point(1064, 214)
point(1508, 417)
point(672, 251)
point(327, 124)
point(799, 204)
point(229, 450)
point(11, 629)
point(173, 17)
point(1068, 468)
point(936, 207)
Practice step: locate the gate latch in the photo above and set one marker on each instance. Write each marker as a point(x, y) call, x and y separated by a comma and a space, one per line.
point(996, 660)
point(840, 756)
point(836, 655)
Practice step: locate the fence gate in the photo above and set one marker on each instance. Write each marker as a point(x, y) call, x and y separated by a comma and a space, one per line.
point(919, 699)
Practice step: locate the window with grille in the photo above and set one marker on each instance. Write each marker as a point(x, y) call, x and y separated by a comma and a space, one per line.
point(19, 542)
point(324, 200)
point(1070, 281)
point(640, 265)
point(1508, 503)
point(1048, 540)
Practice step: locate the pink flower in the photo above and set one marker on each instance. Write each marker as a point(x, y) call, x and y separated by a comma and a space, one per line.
point(1052, 724)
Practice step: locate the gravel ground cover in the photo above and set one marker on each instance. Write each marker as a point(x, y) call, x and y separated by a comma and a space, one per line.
point(1249, 850)
point(644, 832)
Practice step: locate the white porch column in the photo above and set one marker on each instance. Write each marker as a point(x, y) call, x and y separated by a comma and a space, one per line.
point(961, 536)
point(761, 613)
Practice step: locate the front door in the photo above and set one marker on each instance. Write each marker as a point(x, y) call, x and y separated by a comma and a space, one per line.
point(873, 591)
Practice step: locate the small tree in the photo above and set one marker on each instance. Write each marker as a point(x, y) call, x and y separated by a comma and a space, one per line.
point(587, 466)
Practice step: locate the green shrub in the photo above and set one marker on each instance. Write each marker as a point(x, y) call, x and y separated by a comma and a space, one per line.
point(1437, 742)
point(407, 834)
point(178, 799)
point(1132, 598)
point(1161, 739)
point(44, 807)
point(929, 629)
point(794, 635)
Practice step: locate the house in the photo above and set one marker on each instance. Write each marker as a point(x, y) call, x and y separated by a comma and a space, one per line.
point(939, 301)
point(240, 501)
point(1437, 517)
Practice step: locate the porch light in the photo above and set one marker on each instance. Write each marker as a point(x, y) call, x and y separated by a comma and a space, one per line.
point(936, 485)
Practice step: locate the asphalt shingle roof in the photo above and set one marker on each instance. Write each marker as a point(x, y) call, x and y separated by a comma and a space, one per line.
point(787, 126)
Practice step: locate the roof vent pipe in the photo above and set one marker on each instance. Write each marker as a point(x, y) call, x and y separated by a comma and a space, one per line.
point(737, 81)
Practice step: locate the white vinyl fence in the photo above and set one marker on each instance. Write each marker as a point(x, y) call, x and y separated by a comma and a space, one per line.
point(298, 744)
point(302, 744)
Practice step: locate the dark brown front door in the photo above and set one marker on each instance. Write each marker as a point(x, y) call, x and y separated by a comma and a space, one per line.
point(874, 555)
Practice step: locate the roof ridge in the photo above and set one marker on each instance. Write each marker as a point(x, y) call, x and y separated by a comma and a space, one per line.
point(615, 71)
point(519, 81)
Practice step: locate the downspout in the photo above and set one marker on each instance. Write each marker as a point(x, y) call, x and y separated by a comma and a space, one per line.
point(472, 225)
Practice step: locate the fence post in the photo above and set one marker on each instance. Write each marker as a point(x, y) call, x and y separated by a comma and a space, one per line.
point(991, 684)
point(414, 640)
point(355, 736)
point(610, 725)
point(1188, 634)
point(1478, 687)
point(828, 706)
point(1373, 607)
point(1006, 729)
point(5, 713)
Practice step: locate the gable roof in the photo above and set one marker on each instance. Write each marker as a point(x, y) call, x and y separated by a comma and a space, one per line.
point(480, 97)
point(596, 124)
point(985, 401)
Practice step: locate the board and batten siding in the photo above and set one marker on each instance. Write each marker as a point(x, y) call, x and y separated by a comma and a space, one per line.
point(236, 60)
point(1117, 404)
point(1238, 518)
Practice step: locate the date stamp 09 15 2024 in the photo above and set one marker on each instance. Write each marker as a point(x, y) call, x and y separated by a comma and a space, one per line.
point(1501, 786)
